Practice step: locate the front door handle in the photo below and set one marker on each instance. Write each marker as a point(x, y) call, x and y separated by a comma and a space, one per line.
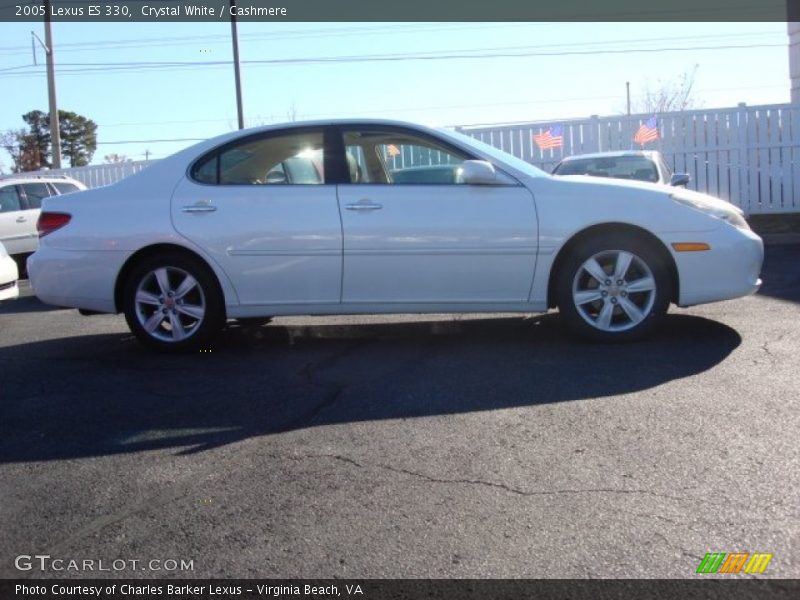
point(364, 206)
point(199, 208)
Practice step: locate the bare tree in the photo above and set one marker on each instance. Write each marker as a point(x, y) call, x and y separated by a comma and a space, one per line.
point(666, 96)
point(115, 158)
point(23, 149)
point(9, 140)
point(291, 115)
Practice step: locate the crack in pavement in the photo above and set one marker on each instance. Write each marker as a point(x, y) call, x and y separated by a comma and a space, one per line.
point(765, 346)
point(480, 482)
point(674, 546)
point(335, 390)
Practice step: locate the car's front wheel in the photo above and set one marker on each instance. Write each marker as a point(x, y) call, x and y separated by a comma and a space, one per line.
point(173, 302)
point(613, 288)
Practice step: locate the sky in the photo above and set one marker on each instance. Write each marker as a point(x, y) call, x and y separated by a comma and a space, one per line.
point(105, 72)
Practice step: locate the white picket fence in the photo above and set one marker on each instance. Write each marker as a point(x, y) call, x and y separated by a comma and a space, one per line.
point(98, 175)
point(748, 155)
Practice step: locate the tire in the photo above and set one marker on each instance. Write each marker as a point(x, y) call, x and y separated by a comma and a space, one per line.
point(173, 302)
point(613, 288)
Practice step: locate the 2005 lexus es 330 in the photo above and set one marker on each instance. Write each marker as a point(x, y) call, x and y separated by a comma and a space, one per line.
point(346, 217)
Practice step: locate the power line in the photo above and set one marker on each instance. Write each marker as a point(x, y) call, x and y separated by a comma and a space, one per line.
point(146, 66)
point(158, 42)
point(420, 108)
point(393, 110)
point(301, 34)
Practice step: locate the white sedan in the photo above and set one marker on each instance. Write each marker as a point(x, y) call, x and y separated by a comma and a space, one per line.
point(641, 165)
point(21, 196)
point(348, 217)
point(8, 276)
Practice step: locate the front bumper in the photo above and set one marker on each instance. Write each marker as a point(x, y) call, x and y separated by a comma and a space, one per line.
point(730, 269)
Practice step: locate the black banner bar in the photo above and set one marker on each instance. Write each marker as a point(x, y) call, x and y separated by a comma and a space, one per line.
point(408, 589)
point(406, 10)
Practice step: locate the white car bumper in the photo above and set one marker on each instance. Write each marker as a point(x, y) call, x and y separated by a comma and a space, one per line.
point(8, 278)
point(730, 269)
point(75, 279)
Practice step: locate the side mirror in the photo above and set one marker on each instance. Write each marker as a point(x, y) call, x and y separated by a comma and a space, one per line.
point(680, 179)
point(478, 172)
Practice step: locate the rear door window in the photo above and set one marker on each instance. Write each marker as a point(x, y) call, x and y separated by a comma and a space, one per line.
point(290, 158)
point(34, 192)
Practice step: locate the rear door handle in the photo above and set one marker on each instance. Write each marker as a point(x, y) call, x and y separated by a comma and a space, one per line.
point(364, 206)
point(21, 219)
point(199, 208)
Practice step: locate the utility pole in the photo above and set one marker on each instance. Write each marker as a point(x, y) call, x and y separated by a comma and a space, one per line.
point(628, 94)
point(55, 134)
point(236, 68)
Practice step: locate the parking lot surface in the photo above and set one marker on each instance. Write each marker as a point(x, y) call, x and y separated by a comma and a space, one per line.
point(406, 446)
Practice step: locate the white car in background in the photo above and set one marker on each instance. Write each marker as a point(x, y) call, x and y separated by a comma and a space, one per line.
point(21, 198)
point(645, 165)
point(216, 231)
point(9, 274)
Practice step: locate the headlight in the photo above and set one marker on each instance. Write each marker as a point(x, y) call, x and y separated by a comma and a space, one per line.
point(712, 206)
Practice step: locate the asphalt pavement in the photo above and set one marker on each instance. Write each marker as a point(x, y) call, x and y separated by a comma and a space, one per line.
point(405, 446)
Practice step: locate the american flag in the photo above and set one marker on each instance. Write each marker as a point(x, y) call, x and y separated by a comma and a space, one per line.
point(647, 132)
point(552, 138)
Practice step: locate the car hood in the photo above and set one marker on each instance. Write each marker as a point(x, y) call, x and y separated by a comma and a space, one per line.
point(613, 182)
point(698, 198)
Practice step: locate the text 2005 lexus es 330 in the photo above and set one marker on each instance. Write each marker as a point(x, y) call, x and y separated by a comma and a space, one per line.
point(348, 217)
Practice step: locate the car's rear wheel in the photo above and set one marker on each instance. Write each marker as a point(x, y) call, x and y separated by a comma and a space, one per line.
point(173, 302)
point(613, 288)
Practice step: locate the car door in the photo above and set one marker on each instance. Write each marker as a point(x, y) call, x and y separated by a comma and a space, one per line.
point(262, 209)
point(17, 221)
point(32, 195)
point(415, 233)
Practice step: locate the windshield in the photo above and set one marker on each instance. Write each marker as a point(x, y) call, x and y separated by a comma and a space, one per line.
point(619, 167)
point(512, 161)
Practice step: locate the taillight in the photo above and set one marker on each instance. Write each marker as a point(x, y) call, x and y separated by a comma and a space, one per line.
point(50, 221)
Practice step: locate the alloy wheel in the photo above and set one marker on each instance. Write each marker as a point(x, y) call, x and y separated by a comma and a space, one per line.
point(170, 304)
point(614, 290)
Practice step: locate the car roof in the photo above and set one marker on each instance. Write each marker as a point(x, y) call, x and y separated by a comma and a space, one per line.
point(651, 154)
point(23, 178)
point(340, 122)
